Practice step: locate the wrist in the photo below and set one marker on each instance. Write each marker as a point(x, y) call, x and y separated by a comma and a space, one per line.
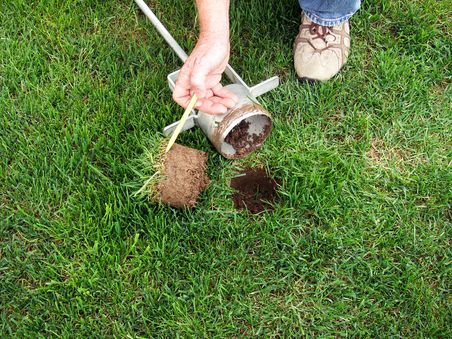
point(221, 36)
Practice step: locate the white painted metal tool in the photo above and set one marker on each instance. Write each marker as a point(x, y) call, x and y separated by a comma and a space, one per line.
point(219, 128)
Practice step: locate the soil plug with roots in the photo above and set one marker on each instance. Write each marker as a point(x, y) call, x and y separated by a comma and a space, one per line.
point(177, 177)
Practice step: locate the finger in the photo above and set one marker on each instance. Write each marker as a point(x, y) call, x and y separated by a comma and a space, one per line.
point(223, 92)
point(216, 99)
point(213, 80)
point(198, 104)
point(183, 78)
point(227, 102)
point(208, 94)
point(211, 107)
point(182, 101)
point(182, 88)
point(229, 99)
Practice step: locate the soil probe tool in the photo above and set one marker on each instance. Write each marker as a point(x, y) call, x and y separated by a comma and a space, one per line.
point(243, 128)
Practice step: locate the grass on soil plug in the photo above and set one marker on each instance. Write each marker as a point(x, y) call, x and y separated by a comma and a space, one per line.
point(176, 177)
point(151, 168)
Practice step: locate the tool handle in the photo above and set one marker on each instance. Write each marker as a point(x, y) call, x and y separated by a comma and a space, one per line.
point(162, 30)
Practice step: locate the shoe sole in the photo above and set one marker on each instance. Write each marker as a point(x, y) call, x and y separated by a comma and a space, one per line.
point(304, 80)
point(310, 81)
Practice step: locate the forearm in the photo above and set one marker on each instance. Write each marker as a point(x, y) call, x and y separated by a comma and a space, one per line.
point(201, 73)
point(214, 18)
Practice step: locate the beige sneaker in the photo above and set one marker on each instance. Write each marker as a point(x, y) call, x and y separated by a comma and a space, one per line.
point(320, 51)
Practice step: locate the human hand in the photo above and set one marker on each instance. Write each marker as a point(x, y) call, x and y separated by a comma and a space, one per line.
point(201, 74)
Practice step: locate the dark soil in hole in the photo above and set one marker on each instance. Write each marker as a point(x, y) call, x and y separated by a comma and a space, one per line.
point(255, 190)
point(244, 143)
point(184, 173)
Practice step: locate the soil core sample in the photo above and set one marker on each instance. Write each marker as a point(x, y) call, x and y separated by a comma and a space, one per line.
point(183, 176)
point(243, 141)
point(255, 190)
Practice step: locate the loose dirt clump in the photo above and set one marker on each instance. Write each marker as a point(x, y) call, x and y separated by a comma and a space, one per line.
point(242, 141)
point(255, 190)
point(184, 176)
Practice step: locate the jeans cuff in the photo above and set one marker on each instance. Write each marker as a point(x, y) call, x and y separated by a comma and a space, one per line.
point(327, 22)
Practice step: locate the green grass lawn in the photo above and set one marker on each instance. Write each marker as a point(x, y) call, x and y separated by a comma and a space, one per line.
point(358, 243)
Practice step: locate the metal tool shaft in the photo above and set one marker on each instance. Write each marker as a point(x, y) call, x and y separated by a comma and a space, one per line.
point(162, 30)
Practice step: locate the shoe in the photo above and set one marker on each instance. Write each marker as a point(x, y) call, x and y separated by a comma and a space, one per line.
point(320, 51)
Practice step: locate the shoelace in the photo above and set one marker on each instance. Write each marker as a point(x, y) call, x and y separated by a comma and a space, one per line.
point(321, 32)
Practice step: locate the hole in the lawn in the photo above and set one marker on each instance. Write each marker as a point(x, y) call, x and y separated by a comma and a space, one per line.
point(255, 190)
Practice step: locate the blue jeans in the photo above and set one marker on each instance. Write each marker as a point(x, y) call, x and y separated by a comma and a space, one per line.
point(329, 12)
